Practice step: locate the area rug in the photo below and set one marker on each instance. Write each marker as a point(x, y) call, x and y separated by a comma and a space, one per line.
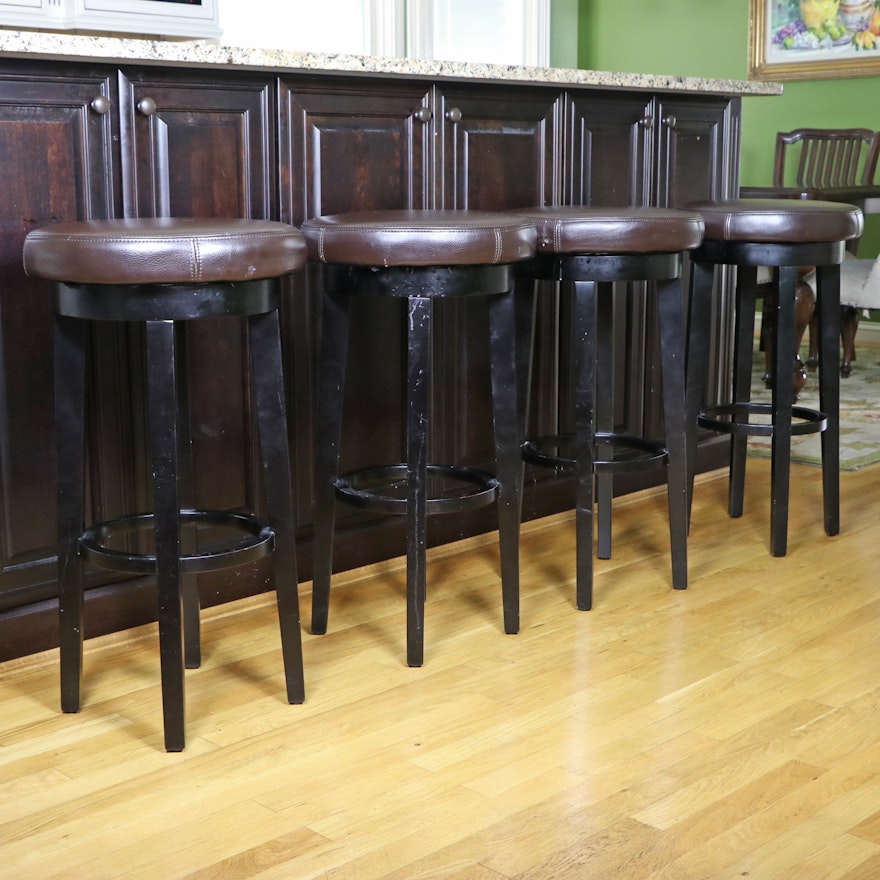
point(859, 413)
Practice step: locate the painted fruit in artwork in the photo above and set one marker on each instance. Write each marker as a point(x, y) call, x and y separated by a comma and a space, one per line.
point(816, 12)
point(874, 27)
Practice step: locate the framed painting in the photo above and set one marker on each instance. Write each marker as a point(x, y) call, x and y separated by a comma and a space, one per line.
point(813, 39)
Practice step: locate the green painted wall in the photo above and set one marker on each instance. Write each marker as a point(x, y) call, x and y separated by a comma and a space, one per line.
point(709, 38)
point(564, 33)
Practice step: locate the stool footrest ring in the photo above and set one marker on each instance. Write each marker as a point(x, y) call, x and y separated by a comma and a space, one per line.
point(732, 418)
point(383, 489)
point(630, 453)
point(256, 539)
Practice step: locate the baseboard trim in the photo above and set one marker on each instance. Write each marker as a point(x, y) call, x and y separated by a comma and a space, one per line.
point(869, 331)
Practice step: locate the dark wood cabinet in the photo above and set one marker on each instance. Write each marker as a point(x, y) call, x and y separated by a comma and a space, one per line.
point(497, 148)
point(696, 154)
point(697, 158)
point(97, 144)
point(193, 147)
point(609, 149)
point(59, 142)
point(350, 146)
point(196, 147)
point(90, 141)
point(641, 150)
point(347, 146)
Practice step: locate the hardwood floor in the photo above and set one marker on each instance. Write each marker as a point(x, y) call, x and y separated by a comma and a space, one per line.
point(729, 731)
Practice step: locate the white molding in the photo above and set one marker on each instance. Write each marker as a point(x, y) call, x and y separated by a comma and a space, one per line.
point(869, 331)
point(387, 21)
point(421, 16)
point(536, 51)
point(419, 29)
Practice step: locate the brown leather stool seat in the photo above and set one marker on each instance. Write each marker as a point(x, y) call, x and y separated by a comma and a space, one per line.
point(418, 256)
point(783, 234)
point(165, 272)
point(591, 248)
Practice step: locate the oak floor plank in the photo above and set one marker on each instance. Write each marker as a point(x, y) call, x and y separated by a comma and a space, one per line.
point(665, 735)
point(771, 826)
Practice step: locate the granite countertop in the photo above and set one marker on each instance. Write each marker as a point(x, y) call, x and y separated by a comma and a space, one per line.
point(203, 53)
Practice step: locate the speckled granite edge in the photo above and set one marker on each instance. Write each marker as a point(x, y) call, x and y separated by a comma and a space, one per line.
point(48, 45)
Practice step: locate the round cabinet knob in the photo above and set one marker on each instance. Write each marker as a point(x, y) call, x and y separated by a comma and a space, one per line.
point(147, 106)
point(647, 122)
point(423, 114)
point(100, 105)
point(670, 121)
point(453, 114)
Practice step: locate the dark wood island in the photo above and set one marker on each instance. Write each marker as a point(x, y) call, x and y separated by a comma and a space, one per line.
point(92, 128)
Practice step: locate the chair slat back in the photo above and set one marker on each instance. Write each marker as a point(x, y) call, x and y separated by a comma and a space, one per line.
point(826, 157)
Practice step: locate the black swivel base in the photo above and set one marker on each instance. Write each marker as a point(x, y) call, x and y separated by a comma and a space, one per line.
point(739, 416)
point(415, 488)
point(174, 557)
point(595, 452)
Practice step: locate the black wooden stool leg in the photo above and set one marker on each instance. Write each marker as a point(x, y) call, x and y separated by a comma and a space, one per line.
point(669, 316)
point(331, 393)
point(699, 314)
point(189, 583)
point(70, 339)
point(508, 428)
point(525, 305)
point(267, 382)
point(417, 405)
point(783, 400)
point(604, 415)
point(743, 354)
point(828, 307)
point(584, 343)
point(166, 508)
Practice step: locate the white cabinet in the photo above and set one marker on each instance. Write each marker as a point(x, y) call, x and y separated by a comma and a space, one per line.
point(183, 18)
point(32, 13)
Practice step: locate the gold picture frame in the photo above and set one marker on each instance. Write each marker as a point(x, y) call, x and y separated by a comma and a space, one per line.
point(846, 41)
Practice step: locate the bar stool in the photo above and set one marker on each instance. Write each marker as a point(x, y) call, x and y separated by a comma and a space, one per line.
point(160, 273)
point(592, 248)
point(783, 234)
point(420, 256)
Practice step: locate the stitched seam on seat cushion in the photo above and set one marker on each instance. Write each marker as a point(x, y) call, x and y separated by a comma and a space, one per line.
point(603, 221)
point(196, 270)
point(417, 229)
point(498, 246)
point(85, 237)
point(731, 217)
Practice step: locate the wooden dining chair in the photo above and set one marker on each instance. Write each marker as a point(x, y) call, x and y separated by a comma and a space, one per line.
point(826, 158)
point(829, 164)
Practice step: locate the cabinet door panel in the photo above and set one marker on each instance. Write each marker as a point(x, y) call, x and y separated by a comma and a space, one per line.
point(608, 150)
point(196, 148)
point(500, 148)
point(609, 160)
point(694, 150)
point(57, 165)
point(697, 158)
point(347, 148)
